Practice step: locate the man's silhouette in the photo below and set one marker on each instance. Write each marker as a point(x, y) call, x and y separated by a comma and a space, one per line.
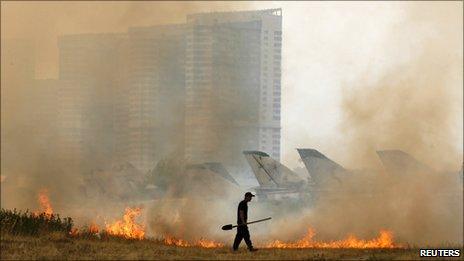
point(242, 228)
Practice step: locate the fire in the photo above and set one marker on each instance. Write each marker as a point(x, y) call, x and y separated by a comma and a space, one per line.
point(93, 228)
point(74, 232)
point(204, 243)
point(44, 203)
point(169, 240)
point(127, 227)
point(384, 240)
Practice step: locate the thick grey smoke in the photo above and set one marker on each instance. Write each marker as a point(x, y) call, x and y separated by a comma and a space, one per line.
point(31, 157)
point(414, 106)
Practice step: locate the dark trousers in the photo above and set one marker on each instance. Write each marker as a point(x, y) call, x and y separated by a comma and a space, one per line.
point(242, 233)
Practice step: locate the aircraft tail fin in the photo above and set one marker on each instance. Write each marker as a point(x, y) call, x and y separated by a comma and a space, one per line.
point(269, 172)
point(320, 168)
point(218, 168)
point(398, 161)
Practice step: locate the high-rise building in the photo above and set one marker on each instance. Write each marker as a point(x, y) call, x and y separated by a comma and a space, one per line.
point(44, 114)
point(89, 74)
point(233, 85)
point(122, 96)
point(205, 91)
point(155, 90)
point(17, 79)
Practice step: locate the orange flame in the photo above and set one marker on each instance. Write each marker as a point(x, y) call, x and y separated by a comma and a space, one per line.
point(74, 232)
point(127, 227)
point(169, 240)
point(44, 202)
point(384, 240)
point(204, 243)
point(93, 228)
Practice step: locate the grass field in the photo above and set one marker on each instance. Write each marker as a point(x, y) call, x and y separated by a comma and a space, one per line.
point(26, 236)
point(60, 247)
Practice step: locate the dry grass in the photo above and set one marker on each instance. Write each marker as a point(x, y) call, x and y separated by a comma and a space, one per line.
point(27, 223)
point(60, 247)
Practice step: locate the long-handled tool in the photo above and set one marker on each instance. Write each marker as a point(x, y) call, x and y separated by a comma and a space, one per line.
point(230, 226)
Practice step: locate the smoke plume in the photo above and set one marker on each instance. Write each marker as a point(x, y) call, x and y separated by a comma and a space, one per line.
point(413, 104)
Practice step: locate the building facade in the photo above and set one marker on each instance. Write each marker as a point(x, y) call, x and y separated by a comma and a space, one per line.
point(17, 78)
point(89, 74)
point(155, 88)
point(205, 91)
point(44, 114)
point(233, 85)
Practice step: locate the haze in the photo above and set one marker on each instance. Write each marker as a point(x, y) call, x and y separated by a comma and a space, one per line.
point(332, 52)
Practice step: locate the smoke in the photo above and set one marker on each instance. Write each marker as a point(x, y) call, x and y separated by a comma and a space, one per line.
point(412, 108)
point(19, 20)
point(35, 125)
point(190, 219)
point(413, 104)
point(32, 130)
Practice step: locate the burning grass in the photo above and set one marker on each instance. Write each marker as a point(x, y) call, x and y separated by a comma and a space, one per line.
point(204, 243)
point(44, 202)
point(20, 242)
point(21, 247)
point(128, 227)
point(384, 240)
point(43, 235)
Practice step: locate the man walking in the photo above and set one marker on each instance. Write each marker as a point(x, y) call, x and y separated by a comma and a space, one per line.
point(242, 228)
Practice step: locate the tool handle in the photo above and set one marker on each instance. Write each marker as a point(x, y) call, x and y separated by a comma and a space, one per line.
point(256, 221)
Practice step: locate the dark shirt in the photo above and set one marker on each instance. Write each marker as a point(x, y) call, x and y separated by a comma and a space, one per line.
point(244, 207)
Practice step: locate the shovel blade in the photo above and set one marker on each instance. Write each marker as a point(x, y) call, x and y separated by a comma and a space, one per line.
point(227, 227)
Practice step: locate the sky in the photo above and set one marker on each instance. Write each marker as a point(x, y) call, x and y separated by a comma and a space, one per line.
point(332, 52)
